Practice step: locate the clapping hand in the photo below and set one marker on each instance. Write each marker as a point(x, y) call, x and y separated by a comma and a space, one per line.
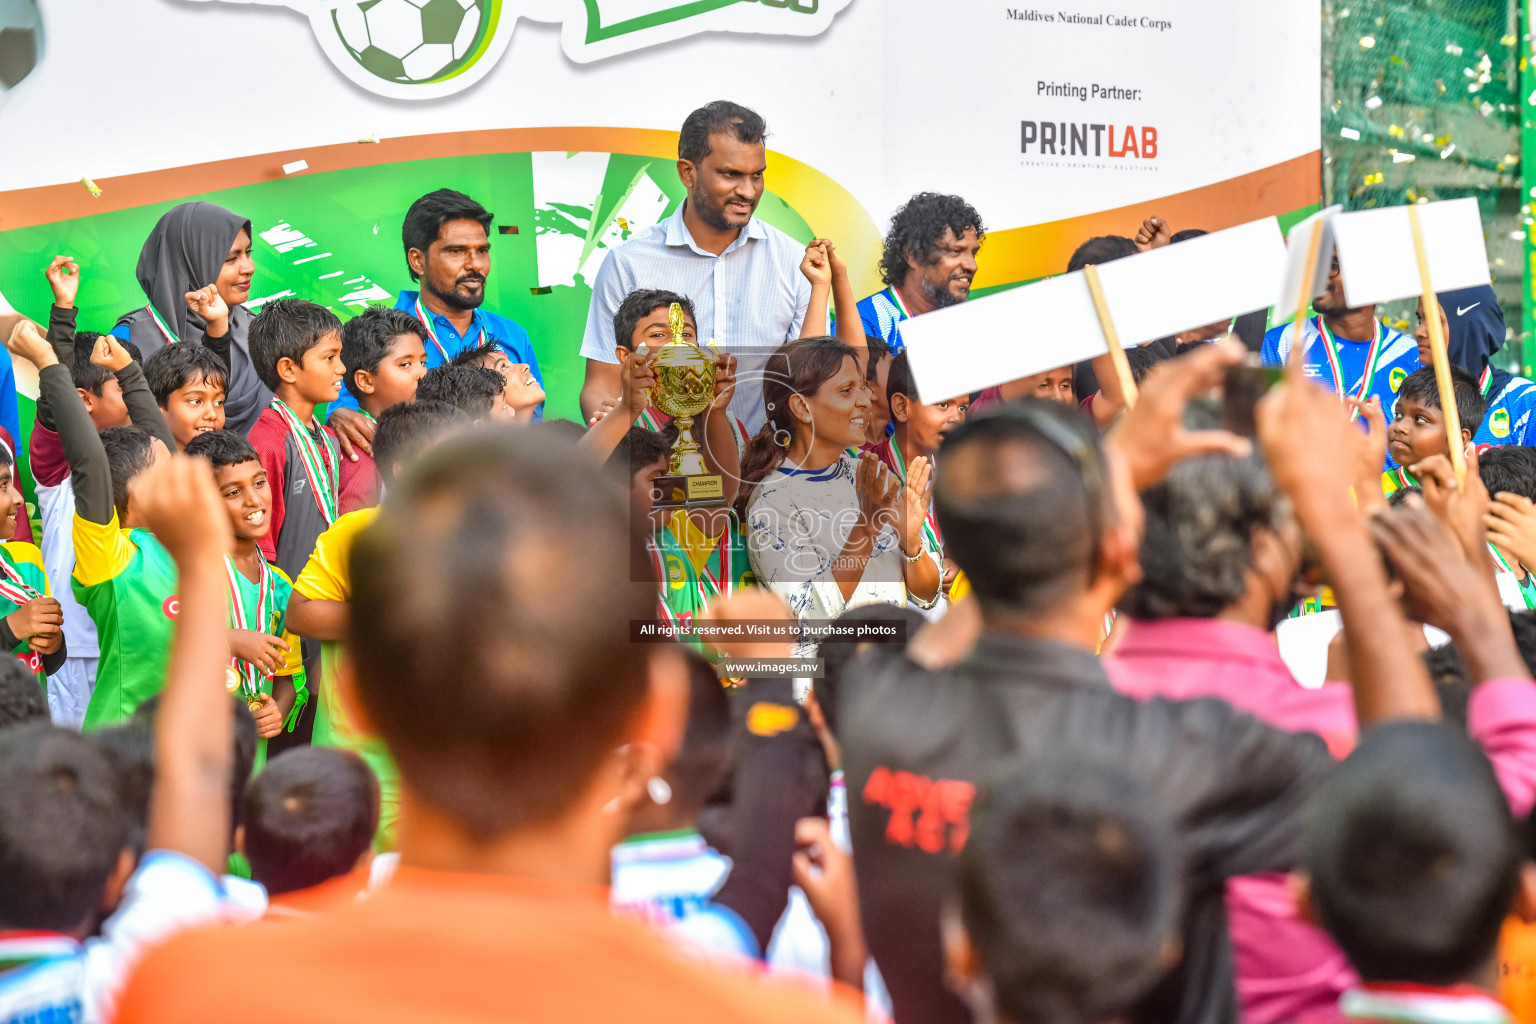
point(915, 494)
point(878, 490)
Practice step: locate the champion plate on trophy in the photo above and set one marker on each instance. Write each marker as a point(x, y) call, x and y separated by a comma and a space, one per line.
point(685, 386)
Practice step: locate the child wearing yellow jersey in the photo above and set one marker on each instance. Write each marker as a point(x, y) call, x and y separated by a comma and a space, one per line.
point(321, 594)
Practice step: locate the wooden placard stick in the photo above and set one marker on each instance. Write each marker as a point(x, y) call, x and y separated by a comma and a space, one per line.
point(1111, 336)
point(1442, 361)
point(1296, 368)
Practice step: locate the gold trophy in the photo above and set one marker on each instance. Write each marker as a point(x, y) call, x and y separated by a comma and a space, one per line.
point(685, 386)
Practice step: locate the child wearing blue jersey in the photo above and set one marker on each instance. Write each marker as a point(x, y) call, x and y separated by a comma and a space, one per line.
point(1346, 349)
point(1474, 329)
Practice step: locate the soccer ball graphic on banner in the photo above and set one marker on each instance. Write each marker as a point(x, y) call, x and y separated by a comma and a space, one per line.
point(409, 40)
point(21, 42)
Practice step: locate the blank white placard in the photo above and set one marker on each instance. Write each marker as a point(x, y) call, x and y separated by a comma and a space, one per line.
point(1174, 288)
point(1296, 248)
point(1023, 331)
point(1376, 254)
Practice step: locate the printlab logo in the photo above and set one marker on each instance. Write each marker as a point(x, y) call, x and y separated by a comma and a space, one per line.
point(1072, 139)
point(423, 49)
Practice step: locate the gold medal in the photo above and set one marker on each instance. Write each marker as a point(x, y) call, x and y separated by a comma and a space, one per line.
point(255, 702)
point(231, 679)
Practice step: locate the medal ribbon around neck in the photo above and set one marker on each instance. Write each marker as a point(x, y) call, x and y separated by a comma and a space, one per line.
point(250, 675)
point(1337, 369)
point(1485, 381)
point(906, 314)
point(426, 321)
point(170, 336)
point(1497, 557)
point(1403, 477)
point(659, 564)
point(931, 539)
point(322, 473)
point(13, 588)
point(724, 555)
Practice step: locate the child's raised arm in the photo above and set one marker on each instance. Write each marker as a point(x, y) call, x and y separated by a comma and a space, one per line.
point(89, 474)
point(143, 411)
point(850, 329)
point(189, 808)
point(637, 379)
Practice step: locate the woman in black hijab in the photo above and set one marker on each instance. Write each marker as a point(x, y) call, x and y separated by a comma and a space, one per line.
point(196, 269)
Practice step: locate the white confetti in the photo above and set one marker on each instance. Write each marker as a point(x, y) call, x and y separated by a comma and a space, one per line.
point(1350, 133)
point(296, 166)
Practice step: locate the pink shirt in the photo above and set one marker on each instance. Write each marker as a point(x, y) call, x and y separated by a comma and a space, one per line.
point(1286, 967)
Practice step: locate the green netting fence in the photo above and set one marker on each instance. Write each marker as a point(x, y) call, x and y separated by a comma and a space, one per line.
point(1424, 99)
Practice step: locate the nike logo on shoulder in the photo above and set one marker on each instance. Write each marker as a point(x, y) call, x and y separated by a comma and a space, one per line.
point(1464, 312)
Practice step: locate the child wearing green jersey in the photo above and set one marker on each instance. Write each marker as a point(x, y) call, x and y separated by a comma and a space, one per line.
point(696, 555)
point(123, 576)
point(266, 667)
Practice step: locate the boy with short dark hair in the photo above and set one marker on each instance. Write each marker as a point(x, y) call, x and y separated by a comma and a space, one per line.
point(476, 391)
point(1068, 896)
point(318, 607)
point(189, 384)
point(1412, 864)
point(524, 393)
point(76, 915)
point(123, 575)
point(385, 354)
point(643, 319)
point(512, 778)
point(309, 818)
point(296, 350)
point(1417, 428)
point(919, 430)
point(266, 667)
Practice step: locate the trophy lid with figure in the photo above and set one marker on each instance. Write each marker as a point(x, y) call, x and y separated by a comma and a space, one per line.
point(685, 387)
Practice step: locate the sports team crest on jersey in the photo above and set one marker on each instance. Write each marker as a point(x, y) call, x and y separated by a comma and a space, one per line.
point(1396, 377)
point(677, 578)
point(1498, 423)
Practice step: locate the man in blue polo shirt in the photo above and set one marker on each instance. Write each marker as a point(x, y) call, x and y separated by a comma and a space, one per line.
point(1346, 349)
point(448, 250)
point(928, 263)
